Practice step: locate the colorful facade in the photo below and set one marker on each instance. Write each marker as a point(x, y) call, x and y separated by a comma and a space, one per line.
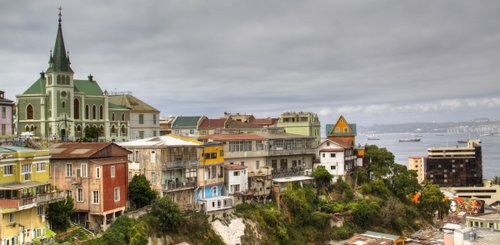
point(342, 132)
point(303, 123)
point(95, 175)
point(6, 117)
point(25, 192)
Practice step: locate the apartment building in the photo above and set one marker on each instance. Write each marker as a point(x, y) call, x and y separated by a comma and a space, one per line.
point(6, 117)
point(95, 176)
point(303, 123)
point(270, 153)
point(417, 164)
point(455, 166)
point(25, 192)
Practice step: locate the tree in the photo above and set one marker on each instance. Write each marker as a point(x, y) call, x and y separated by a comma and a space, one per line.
point(124, 230)
point(167, 214)
point(403, 183)
point(380, 160)
point(59, 213)
point(140, 192)
point(432, 200)
point(92, 134)
point(322, 178)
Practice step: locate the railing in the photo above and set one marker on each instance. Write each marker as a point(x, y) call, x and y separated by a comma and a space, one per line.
point(276, 151)
point(290, 172)
point(170, 186)
point(42, 198)
point(180, 164)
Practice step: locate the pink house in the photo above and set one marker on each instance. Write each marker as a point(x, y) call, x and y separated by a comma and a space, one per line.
point(6, 107)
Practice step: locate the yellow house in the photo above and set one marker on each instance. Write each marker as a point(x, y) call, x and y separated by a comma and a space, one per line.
point(25, 193)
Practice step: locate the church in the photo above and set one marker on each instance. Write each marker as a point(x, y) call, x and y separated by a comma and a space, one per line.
point(57, 106)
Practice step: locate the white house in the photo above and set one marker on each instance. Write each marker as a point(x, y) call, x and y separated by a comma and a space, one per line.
point(331, 156)
point(235, 178)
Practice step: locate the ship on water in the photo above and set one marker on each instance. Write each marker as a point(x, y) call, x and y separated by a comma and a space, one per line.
point(414, 139)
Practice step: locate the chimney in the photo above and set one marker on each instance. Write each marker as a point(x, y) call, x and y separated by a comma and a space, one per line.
point(42, 75)
point(90, 77)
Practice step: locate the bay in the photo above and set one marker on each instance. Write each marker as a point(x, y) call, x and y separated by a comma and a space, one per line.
point(403, 150)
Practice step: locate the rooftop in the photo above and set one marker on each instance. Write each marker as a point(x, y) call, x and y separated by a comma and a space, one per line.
point(234, 167)
point(166, 140)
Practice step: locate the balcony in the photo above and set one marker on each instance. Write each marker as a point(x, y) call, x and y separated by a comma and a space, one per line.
point(278, 151)
point(32, 201)
point(181, 185)
point(179, 164)
point(291, 172)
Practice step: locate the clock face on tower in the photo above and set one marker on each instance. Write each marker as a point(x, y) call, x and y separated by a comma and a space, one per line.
point(63, 94)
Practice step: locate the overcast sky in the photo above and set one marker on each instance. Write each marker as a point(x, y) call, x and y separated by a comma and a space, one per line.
point(372, 61)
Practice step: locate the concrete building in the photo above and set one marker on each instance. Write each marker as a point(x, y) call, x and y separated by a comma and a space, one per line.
point(95, 176)
point(170, 163)
point(270, 153)
point(488, 193)
point(417, 164)
point(303, 123)
point(235, 179)
point(332, 156)
point(455, 166)
point(187, 125)
point(144, 119)
point(6, 117)
point(25, 192)
point(57, 105)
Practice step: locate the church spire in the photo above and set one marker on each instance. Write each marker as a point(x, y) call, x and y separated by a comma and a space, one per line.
point(59, 61)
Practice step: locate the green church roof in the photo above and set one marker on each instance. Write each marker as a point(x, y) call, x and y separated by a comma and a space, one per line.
point(88, 87)
point(37, 88)
point(59, 60)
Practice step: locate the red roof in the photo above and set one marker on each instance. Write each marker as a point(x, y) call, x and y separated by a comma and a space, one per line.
point(234, 167)
point(344, 142)
point(265, 121)
point(212, 123)
point(85, 150)
point(229, 137)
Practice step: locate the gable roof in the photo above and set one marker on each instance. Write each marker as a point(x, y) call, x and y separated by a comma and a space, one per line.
point(133, 103)
point(38, 87)
point(212, 123)
point(344, 142)
point(186, 122)
point(166, 140)
point(84, 150)
point(88, 87)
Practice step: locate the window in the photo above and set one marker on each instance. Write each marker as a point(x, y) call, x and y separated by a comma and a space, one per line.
point(123, 116)
point(4, 112)
point(235, 188)
point(40, 167)
point(76, 109)
point(345, 130)
point(214, 191)
point(141, 118)
point(79, 195)
point(117, 194)
point(8, 170)
point(26, 168)
point(332, 155)
point(154, 119)
point(154, 133)
point(84, 170)
point(69, 170)
point(87, 112)
point(113, 171)
point(153, 177)
point(12, 218)
point(94, 112)
point(95, 197)
point(29, 112)
point(4, 129)
point(141, 134)
point(323, 155)
point(235, 146)
point(236, 173)
point(333, 167)
point(98, 172)
point(153, 157)
point(337, 129)
point(39, 210)
point(257, 164)
point(69, 194)
point(101, 112)
point(112, 116)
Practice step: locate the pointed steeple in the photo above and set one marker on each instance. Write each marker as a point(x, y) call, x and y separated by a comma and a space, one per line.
point(59, 60)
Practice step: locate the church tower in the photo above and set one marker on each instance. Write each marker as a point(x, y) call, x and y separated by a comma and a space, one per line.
point(60, 89)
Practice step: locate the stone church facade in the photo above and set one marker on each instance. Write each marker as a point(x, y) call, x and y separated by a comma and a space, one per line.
point(59, 106)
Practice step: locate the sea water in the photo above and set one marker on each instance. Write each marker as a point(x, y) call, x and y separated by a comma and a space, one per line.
point(403, 150)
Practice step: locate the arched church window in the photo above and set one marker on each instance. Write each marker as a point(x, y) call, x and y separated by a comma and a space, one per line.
point(124, 130)
point(123, 116)
point(49, 80)
point(76, 109)
point(32, 128)
point(113, 129)
point(87, 112)
point(101, 131)
point(101, 112)
point(112, 116)
point(67, 80)
point(27, 128)
point(94, 112)
point(29, 112)
point(58, 79)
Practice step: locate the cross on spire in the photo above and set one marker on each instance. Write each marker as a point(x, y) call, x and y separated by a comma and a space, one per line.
point(60, 15)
